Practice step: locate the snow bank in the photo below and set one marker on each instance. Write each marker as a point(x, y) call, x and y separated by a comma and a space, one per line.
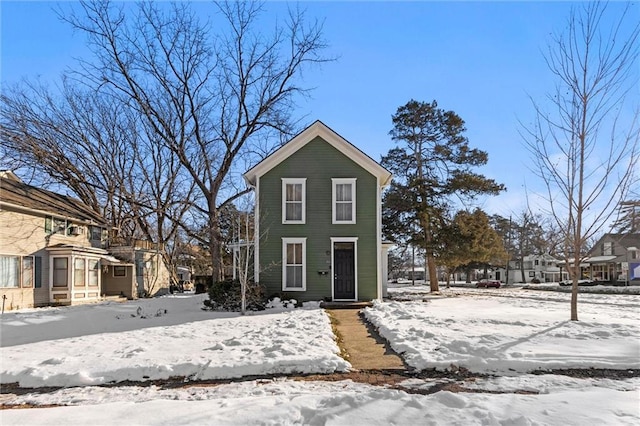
point(285, 402)
point(512, 334)
point(293, 341)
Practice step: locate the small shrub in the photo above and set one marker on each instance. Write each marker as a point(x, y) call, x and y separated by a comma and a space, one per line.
point(535, 281)
point(226, 296)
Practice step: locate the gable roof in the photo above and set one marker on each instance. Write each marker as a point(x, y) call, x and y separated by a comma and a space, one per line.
point(624, 240)
point(318, 128)
point(14, 192)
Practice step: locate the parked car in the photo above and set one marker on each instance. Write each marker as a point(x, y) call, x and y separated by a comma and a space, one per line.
point(486, 283)
point(580, 282)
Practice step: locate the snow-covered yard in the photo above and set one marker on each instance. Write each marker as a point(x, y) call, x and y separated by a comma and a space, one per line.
point(511, 330)
point(506, 332)
point(216, 346)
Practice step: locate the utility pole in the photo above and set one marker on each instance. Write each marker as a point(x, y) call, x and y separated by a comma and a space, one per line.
point(508, 250)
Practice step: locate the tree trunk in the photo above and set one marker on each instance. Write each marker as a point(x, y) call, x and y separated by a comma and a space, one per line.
point(215, 246)
point(433, 275)
point(574, 299)
point(430, 260)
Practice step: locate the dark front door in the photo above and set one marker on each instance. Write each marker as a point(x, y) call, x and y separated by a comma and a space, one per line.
point(344, 280)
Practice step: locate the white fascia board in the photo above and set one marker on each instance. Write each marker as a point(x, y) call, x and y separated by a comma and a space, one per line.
point(320, 129)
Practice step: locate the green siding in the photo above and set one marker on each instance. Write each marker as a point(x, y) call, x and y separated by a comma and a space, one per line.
point(318, 162)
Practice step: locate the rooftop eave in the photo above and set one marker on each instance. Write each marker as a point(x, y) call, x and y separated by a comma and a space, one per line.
point(318, 129)
point(40, 212)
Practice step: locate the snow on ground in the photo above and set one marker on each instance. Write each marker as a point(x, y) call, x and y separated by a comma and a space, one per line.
point(78, 347)
point(286, 402)
point(512, 331)
point(299, 341)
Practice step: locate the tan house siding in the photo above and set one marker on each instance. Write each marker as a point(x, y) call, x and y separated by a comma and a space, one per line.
point(23, 235)
point(18, 298)
point(120, 285)
point(152, 278)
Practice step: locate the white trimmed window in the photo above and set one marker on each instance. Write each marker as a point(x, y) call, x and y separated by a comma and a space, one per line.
point(293, 200)
point(343, 200)
point(294, 268)
point(79, 272)
point(20, 271)
point(60, 271)
point(9, 271)
point(94, 272)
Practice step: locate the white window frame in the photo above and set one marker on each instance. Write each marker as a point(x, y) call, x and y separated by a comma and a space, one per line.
point(83, 274)
point(294, 181)
point(285, 242)
point(53, 273)
point(13, 263)
point(93, 272)
point(342, 181)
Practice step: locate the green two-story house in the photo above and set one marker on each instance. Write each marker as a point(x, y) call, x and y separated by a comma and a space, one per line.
point(318, 219)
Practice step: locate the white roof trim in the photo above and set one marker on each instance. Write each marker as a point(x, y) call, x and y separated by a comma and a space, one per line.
point(81, 249)
point(110, 260)
point(597, 259)
point(318, 128)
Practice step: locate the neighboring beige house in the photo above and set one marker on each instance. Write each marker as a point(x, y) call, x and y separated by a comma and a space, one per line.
point(152, 277)
point(52, 250)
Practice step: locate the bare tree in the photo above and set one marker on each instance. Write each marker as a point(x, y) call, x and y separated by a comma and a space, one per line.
point(628, 219)
point(209, 98)
point(585, 148)
point(97, 148)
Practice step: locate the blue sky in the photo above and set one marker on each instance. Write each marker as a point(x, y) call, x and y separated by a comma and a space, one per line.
point(480, 59)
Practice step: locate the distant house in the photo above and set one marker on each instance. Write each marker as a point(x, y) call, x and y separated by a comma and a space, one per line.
point(318, 218)
point(52, 250)
point(615, 258)
point(541, 267)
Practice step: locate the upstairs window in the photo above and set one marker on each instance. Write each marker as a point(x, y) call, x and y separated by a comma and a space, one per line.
point(55, 225)
point(607, 249)
point(96, 233)
point(343, 200)
point(293, 200)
